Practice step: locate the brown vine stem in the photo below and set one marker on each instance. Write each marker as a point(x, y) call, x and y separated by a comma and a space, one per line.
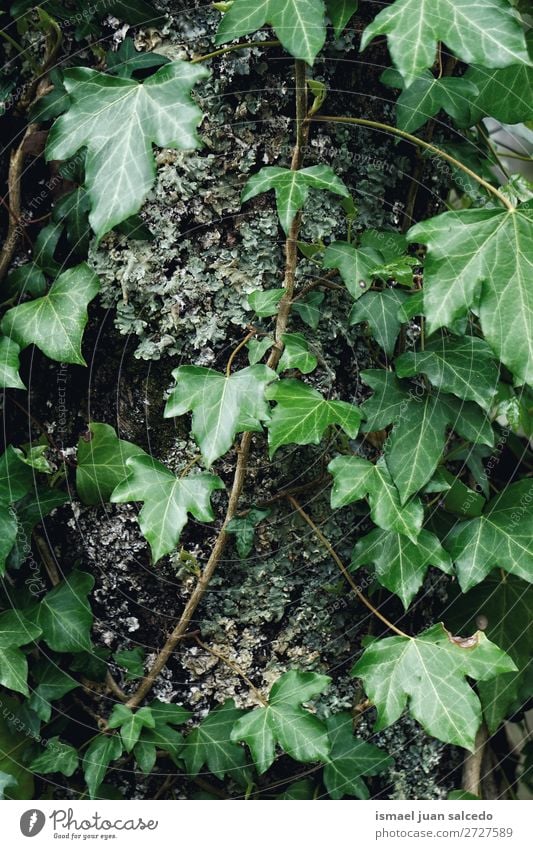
point(230, 663)
point(471, 779)
point(388, 128)
point(236, 351)
point(346, 575)
point(180, 629)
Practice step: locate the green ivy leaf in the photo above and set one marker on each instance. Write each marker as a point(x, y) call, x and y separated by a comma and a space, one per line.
point(501, 536)
point(480, 259)
point(487, 32)
point(15, 631)
point(355, 478)
point(27, 513)
point(257, 349)
point(298, 791)
point(13, 746)
point(117, 120)
point(292, 188)
point(132, 660)
point(265, 304)
point(503, 94)
point(465, 367)
point(16, 476)
point(222, 406)
point(299, 25)
point(283, 720)
point(9, 365)
point(210, 744)
point(350, 759)
point(308, 308)
point(55, 322)
point(415, 446)
point(57, 757)
point(6, 781)
point(167, 500)
point(162, 735)
point(340, 12)
point(103, 749)
point(380, 311)
point(244, 530)
point(504, 603)
point(355, 265)
point(427, 674)
point(296, 354)
point(51, 683)
point(130, 723)
point(102, 463)
point(400, 565)
point(65, 615)
point(8, 535)
point(73, 210)
point(301, 415)
point(427, 95)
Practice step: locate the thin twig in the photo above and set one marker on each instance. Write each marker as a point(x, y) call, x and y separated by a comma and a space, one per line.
point(471, 780)
point(331, 551)
point(232, 665)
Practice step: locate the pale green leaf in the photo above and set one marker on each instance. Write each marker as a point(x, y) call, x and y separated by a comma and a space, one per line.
point(167, 500)
point(356, 265)
point(487, 32)
point(57, 757)
point(340, 12)
point(350, 759)
point(300, 734)
point(210, 744)
point(302, 415)
point(400, 565)
point(292, 188)
point(380, 311)
point(299, 25)
point(502, 536)
point(465, 367)
point(117, 120)
point(427, 674)
point(104, 749)
point(9, 365)
point(296, 354)
point(65, 615)
point(55, 322)
point(427, 95)
point(130, 723)
point(222, 406)
point(102, 463)
point(355, 478)
point(482, 259)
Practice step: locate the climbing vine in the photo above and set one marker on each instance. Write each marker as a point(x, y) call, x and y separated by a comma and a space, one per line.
point(445, 306)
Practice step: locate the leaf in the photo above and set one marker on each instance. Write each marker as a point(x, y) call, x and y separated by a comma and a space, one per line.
point(503, 94)
point(427, 95)
point(73, 210)
point(487, 32)
point(29, 512)
point(162, 735)
point(308, 308)
point(27, 279)
point(415, 446)
point(209, 744)
point(6, 780)
point(400, 565)
point(51, 684)
point(131, 724)
point(15, 631)
point(16, 477)
point(355, 478)
point(427, 675)
point(103, 749)
point(380, 311)
point(265, 304)
point(501, 536)
point(350, 759)
point(356, 265)
point(465, 367)
point(298, 790)
point(55, 322)
point(296, 354)
point(258, 348)
point(117, 120)
point(302, 415)
point(9, 365)
point(132, 661)
point(340, 12)
point(102, 463)
point(8, 535)
point(222, 406)
point(125, 61)
point(300, 734)
point(167, 500)
point(503, 603)
point(292, 187)
point(65, 615)
point(14, 670)
point(299, 25)
point(244, 530)
point(480, 259)
point(13, 744)
point(57, 757)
